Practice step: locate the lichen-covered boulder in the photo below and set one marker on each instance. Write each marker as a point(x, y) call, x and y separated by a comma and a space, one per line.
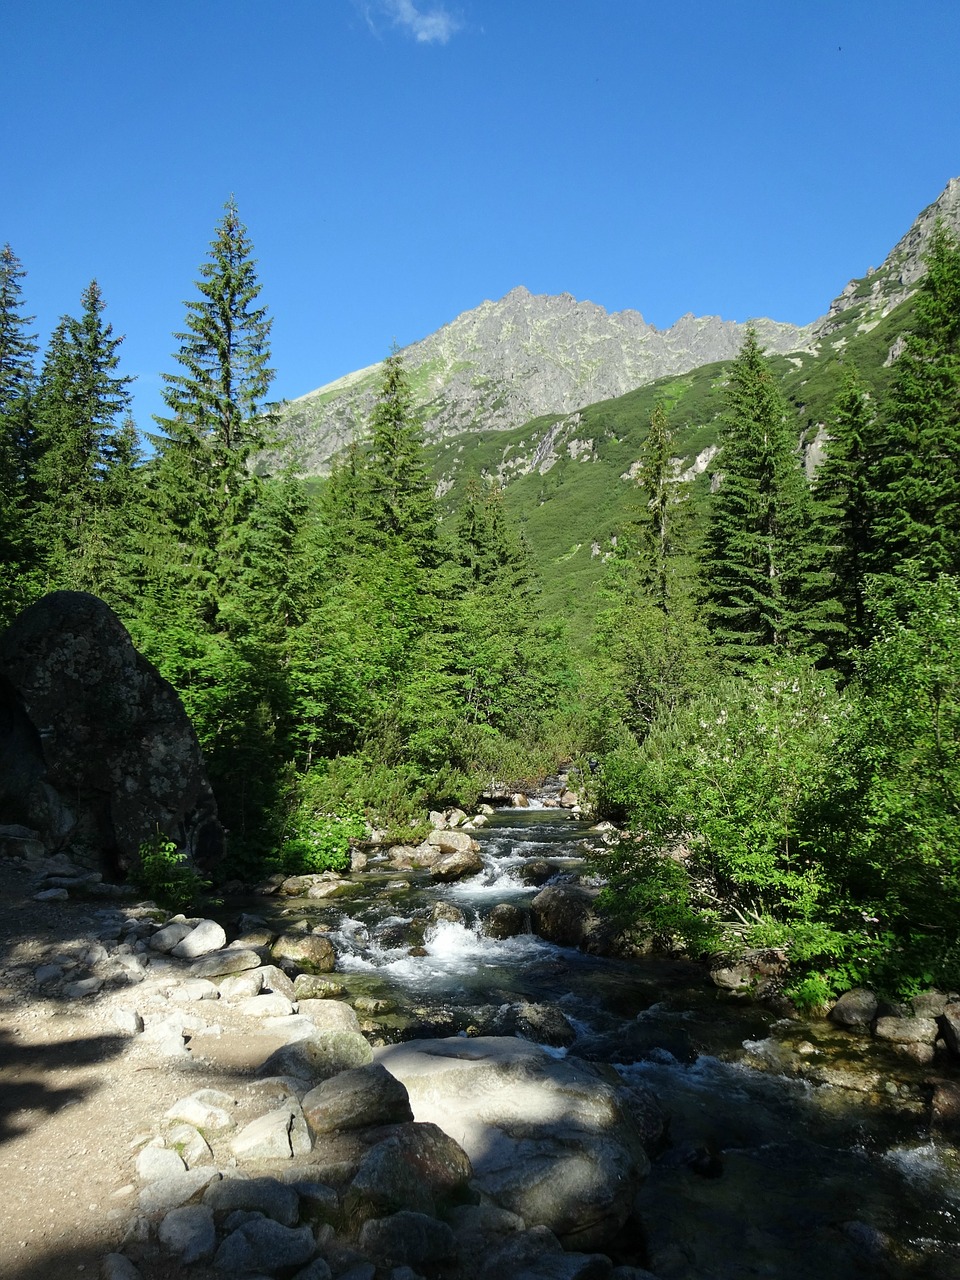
point(110, 756)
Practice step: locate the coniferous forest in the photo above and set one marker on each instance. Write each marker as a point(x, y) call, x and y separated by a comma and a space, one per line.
point(772, 691)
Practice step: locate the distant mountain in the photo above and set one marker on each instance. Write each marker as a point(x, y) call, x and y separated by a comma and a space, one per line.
point(531, 356)
point(505, 362)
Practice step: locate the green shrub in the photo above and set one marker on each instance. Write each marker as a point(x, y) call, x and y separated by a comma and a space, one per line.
point(166, 876)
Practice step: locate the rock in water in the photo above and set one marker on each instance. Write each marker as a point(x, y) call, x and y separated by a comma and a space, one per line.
point(112, 755)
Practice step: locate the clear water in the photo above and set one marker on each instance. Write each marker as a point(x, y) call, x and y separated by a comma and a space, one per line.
point(767, 1171)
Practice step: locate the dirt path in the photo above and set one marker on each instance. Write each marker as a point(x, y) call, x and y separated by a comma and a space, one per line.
point(78, 1095)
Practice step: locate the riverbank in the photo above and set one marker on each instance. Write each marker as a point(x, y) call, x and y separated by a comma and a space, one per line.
point(797, 1147)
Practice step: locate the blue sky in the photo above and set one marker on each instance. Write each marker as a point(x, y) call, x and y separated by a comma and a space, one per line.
point(399, 161)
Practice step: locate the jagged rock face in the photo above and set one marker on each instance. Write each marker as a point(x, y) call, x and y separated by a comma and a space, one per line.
point(505, 362)
point(108, 754)
point(885, 287)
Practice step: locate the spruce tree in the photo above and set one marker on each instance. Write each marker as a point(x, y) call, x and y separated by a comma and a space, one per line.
point(764, 588)
point(80, 398)
point(842, 501)
point(914, 469)
point(202, 483)
point(17, 350)
point(401, 503)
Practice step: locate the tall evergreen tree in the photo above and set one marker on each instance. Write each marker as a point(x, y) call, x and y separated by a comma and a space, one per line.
point(401, 502)
point(842, 499)
point(762, 589)
point(82, 440)
point(218, 417)
point(17, 350)
point(915, 457)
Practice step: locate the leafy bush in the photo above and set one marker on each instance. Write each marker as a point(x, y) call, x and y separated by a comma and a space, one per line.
point(166, 876)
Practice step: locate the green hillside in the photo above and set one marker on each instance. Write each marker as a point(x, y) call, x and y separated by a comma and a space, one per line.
point(571, 510)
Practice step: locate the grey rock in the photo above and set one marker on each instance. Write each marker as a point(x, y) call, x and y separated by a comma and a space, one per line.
point(562, 915)
point(188, 1233)
point(317, 1201)
point(320, 1056)
point(206, 937)
point(115, 1266)
point(329, 1015)
point(189, 1144)
point(418, 1167)
point(85, 987)
point(268, 1004)
point(275, 980)
point(311, 952)
point(195, 989)
point(220, 963)
point(856, 1008)
point(120, 759)
point(506, 920)
point(267, 1196)
point(263, 1244)
point(47, 973)
point(356, 1099)
point(950, 1027)
point(405, 1238)
point(310, 986)
point(544, 1024)
point(175, 1189)
point(154, 1163)
point(165, 939)
point(906, 1030)
point(318, 1269)
point(51, 895)
point(551, 1141)
point(278, 1135)
point(207, 1109)
point(240, 986)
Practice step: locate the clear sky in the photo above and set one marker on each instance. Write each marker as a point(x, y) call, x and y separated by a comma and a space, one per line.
point(399, 161)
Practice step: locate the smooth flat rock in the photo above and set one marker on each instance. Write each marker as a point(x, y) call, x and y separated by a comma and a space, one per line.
point(158, 1162)
point(208, 936)
point(174, 1190)
point(356, 1099)
point(220, 963)
point(272, 1198)
point(550, 1140)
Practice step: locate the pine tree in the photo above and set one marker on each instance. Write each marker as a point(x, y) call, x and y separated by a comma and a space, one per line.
point(79, 400)
point(17, 350)
point(762, 589)
point(401, 503)
point(914, 468)
point(203, 487)
point(842, 499)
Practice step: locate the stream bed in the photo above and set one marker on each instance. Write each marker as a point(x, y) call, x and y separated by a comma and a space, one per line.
point(794, 1150)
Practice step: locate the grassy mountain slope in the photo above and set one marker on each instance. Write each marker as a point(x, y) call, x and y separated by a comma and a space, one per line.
point(568, 478)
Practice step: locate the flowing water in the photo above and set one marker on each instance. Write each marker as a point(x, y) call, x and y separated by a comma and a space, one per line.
point(771, 1168)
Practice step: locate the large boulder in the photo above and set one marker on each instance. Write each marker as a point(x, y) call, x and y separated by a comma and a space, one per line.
point(553, 1141)
point(107, 755)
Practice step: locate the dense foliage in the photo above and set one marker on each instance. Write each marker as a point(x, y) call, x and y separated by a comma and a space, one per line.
point(772, 683)
point(801, 790)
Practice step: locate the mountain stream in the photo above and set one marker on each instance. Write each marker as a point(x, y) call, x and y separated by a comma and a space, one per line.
point(795, 1150)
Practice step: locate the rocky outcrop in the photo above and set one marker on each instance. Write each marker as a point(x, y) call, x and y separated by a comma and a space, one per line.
point(551, 1141)
point(523, 356)
point(104, 755)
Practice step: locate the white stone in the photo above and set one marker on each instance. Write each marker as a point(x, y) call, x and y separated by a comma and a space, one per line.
point(158, 1162)
point(207, 937)
point(206, 1109)
point(240, 986)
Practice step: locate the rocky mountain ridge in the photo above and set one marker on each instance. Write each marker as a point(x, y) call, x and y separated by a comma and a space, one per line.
point(504, 363)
